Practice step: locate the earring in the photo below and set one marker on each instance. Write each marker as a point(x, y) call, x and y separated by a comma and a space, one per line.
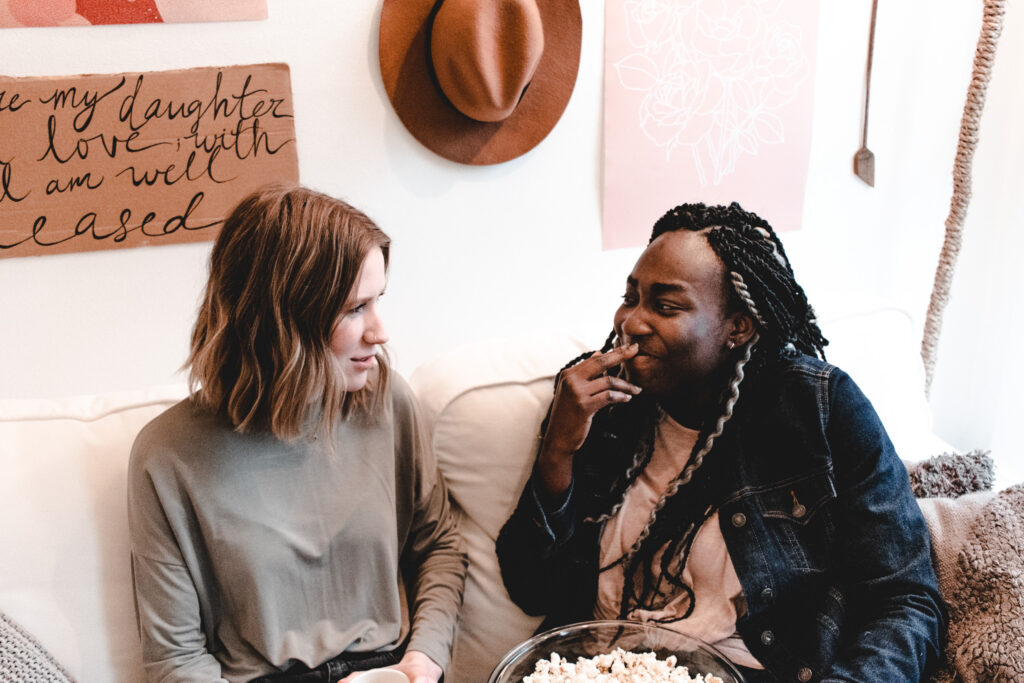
point(730, 345)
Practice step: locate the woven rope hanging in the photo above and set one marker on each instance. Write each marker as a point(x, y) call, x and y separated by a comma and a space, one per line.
point(984, 57)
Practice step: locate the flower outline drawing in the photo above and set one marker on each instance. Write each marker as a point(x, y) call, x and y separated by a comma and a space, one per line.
point(714, 76)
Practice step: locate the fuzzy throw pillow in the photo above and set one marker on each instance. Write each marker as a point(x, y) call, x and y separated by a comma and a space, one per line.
point(23, 659)
point(951, 475)
point(983, 582)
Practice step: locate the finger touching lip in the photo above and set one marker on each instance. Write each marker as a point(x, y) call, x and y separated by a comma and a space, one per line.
point(627, 350)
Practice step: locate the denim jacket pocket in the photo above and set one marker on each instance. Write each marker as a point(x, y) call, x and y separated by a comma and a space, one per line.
point(798, 516)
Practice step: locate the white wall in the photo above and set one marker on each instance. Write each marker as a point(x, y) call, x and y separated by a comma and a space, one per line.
point(483, 252)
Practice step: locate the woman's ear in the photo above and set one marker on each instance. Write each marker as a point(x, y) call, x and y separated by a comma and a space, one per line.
point(741, 329)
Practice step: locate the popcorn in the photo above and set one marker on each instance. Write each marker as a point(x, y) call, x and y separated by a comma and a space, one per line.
point(619, 666)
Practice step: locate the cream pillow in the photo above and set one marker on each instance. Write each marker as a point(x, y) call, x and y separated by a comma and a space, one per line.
point(485, 402)
point(64, 573)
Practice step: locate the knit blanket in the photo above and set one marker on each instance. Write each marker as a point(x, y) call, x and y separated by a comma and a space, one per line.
point(978, 551)
point(23, 659)
point(950, 475)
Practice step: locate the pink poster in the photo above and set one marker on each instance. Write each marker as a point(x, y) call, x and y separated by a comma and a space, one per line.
point(91, 12)
point(706, 100)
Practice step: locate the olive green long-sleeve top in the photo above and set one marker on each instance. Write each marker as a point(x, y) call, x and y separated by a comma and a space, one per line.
point(250, 554)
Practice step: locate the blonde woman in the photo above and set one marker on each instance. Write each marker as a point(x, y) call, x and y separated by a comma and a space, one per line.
point(288, 522)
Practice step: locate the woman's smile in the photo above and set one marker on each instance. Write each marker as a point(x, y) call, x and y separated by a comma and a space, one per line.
point(364, 362)
point(674, 309)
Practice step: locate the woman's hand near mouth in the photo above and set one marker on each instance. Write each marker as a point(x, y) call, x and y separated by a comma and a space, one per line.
point(582, 391)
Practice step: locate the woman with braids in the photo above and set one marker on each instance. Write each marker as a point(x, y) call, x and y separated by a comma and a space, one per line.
point(708, 470)
point(288, 523)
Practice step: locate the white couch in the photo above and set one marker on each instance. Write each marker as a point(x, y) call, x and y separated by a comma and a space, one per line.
point(64, 570)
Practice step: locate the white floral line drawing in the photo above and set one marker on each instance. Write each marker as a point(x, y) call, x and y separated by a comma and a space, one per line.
point(715, 74)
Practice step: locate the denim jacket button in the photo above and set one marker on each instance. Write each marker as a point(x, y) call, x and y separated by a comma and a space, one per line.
point(739, 519)
point(767, 637)
point(804, 675)
point(767, 593)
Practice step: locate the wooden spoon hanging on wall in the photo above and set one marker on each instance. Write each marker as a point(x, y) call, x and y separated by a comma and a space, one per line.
point(864, 159)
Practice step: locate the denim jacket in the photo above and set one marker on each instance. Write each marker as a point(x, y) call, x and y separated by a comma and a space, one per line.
point(817, 514)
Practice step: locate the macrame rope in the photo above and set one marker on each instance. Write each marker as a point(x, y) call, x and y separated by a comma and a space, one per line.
point(984, 57)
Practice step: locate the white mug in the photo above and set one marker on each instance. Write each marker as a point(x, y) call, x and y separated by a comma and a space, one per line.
point(382, 676)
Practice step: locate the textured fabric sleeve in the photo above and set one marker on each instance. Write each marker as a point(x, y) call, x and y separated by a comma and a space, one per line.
point(434, 555)
point(899, 613)
point(174, 646)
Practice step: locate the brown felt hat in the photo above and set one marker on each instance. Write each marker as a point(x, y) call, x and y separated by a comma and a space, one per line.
point(480, 81)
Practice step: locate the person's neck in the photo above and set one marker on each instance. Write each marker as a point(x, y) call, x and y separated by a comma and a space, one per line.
point(690, 409)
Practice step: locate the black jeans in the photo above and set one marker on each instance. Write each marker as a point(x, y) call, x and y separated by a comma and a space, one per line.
point(334, 669)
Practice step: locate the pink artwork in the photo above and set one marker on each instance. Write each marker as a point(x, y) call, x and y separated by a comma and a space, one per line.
point(15, 13)
point(706, 100)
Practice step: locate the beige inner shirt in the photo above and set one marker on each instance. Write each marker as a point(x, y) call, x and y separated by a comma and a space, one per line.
point(709, 570)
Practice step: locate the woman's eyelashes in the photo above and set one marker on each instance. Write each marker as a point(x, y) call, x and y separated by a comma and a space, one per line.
point(361, 306)
point(668, 307)
point(661, 306)
point(355, 309)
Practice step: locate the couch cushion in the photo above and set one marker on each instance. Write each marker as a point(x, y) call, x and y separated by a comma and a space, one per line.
point(64, 572)
point(879, 346)
point(485, 401)
point(978, 552)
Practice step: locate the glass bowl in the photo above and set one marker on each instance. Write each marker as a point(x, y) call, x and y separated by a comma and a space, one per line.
point(590, 638)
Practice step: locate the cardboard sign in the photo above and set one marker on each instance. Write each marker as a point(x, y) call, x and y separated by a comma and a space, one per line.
point(136, 159)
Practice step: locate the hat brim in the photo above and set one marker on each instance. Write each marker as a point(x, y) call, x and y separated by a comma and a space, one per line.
point(445, 130)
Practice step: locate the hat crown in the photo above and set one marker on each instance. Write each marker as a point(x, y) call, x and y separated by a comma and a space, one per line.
point(485, 52)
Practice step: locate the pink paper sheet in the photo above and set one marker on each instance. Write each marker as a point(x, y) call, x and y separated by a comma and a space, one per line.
point(706, 100)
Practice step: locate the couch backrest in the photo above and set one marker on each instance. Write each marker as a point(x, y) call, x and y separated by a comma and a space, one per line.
point(65, 576)
point(879, 345)
point(486, 401)
point(64, 570)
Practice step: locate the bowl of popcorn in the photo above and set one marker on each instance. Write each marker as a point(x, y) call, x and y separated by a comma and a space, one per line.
point(614, 652)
